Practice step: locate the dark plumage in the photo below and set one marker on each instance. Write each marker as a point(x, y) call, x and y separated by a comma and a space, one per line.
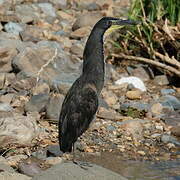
point(81, 101)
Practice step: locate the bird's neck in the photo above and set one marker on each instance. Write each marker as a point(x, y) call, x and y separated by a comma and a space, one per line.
point(93, 59)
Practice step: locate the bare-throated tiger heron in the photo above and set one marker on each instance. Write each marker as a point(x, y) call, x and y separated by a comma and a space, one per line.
point(81, 101)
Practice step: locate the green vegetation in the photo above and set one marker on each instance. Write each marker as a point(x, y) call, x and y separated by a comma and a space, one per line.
point(156, 40)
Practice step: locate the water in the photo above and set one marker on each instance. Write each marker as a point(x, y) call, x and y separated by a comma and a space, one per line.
point(137, 170)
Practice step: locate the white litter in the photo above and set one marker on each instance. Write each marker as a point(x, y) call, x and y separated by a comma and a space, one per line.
point(135, 81)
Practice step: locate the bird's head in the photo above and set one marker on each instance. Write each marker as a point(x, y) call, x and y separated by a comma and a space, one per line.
point(110, 23)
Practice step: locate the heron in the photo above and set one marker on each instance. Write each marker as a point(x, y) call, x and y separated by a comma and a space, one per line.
point(81, 101)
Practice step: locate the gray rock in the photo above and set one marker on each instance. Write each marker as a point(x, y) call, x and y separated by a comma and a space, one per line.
point(53, 108)
point(47, 9)
point(172, 118)
point(32, 33)
point(13, 44)
point(2, 1)
point(14, 160)
point(170, 101)
point(136, 105)
point(169, 139)
point(93, 6)
point(161, 80)
point(41, 88)
point(140, 72)
point(5, 107)
point(54, 151)
point(77, 49)
point(14, 28)
point(37, 103)
point(27, 12)
point(30, 168)
point(10, 78)
point(4, 165)
point(17, 129)
point(111, 128)
point(57, 70)
point(40, 154)
point(59, 3)
point(7, 98)
point(13, 176)
point(69, 171)
point(167, 91)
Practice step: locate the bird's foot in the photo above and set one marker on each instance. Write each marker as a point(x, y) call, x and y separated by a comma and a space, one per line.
point(83, 165)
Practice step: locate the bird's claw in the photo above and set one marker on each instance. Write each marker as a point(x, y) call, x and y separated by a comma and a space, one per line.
point(83, 165)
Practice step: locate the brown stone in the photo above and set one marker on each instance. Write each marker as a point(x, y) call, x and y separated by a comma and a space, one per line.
point(6, 56)
point(134, 94)
point(156, 108)
point(81, 32)
point(176, 131)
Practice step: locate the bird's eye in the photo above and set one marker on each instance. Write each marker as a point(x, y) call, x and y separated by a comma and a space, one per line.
point(109, 23)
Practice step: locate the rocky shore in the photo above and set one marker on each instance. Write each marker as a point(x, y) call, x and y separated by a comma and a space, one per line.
point(41, 48)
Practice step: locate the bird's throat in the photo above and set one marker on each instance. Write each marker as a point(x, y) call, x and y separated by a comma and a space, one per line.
point(93, 59)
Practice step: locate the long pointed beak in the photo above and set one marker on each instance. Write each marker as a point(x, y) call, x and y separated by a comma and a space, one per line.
point(121, 22)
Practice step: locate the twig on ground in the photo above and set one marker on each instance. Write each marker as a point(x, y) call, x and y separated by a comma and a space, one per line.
point(46, 64)
point(149, 61)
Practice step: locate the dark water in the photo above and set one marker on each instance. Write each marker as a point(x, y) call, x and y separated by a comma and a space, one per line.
point(137, 170)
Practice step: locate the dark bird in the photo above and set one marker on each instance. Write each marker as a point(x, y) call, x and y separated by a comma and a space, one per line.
point(81, 101)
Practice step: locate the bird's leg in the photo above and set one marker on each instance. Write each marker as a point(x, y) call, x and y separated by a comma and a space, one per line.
point(80, 163)
point(74, 154)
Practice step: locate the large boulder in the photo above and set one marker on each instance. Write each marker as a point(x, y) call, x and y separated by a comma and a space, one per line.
point(68, 171)
point(48, 62)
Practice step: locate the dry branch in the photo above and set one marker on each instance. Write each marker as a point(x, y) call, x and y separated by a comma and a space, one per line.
point(149, 61)
point(167, 59)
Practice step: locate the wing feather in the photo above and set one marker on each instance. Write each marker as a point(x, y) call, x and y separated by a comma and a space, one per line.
point(78, 110)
